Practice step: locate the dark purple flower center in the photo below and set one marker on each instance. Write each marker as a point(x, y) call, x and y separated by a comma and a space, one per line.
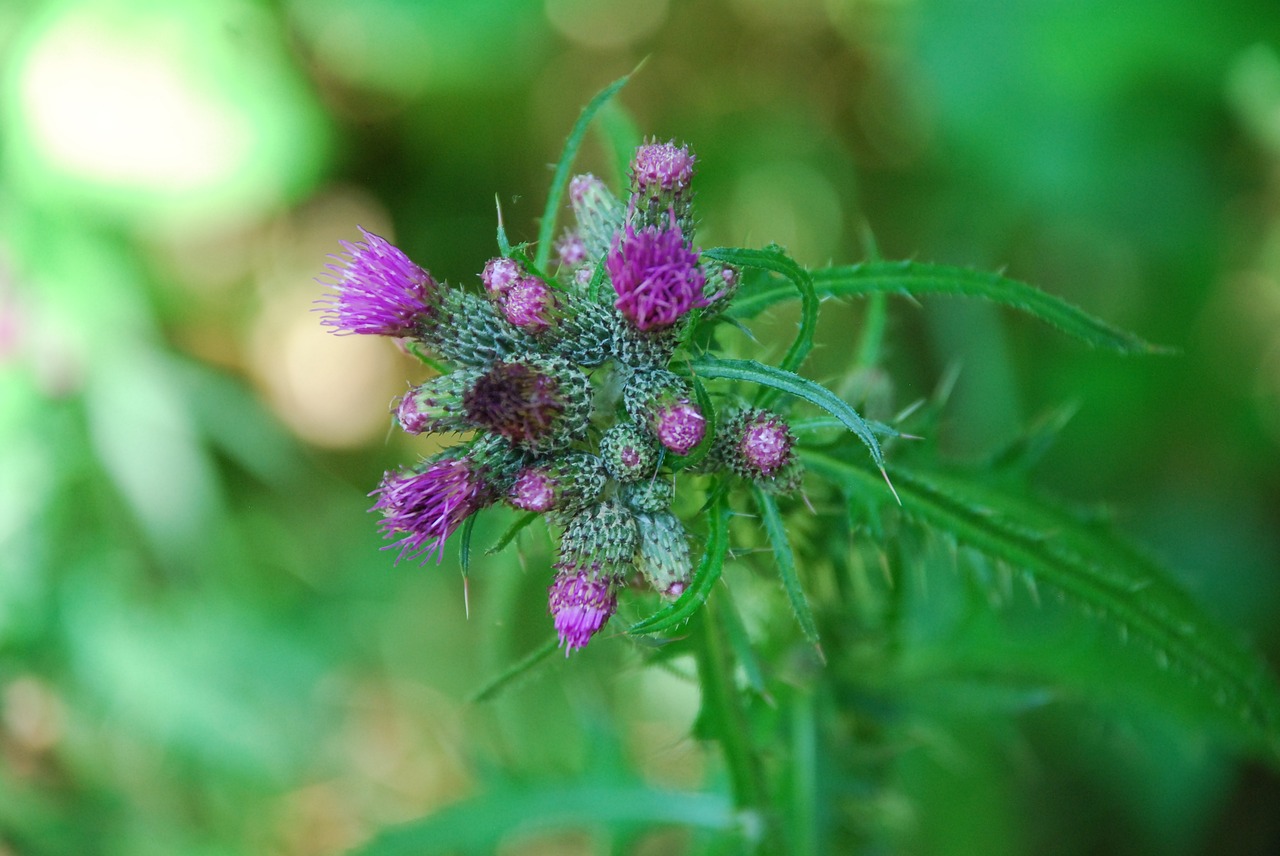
point(516, 401)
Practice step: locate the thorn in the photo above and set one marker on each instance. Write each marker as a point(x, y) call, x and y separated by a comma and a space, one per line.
point(807, 503)
point(817, 647)
point(497, 203)
point(892, 489)
point(466, 596)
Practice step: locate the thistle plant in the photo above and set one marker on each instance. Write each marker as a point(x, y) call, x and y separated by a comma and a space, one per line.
point(588, 373)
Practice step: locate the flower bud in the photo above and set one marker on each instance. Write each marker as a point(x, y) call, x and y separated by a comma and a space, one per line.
point(499, 275)
point(468, 330)
point(663, 402)
point(661, 179)
point(599, 213)
point(628, 451)
point(649, 495)
point(436, 406)
point(530, 304)
point(758, 444)
point(566, 484)
point(598, 547)
point(663, 556)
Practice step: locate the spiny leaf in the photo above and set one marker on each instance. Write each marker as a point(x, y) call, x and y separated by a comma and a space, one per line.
point(1102, 574)
point(546, 231)
point(785, 381)
point(513, 530)
point(704, 578)
point(777, 532)
point(481, 823)
point(916, 278)
point(775, 260)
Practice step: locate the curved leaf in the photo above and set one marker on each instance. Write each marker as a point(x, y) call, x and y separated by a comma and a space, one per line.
point(1097, 570)
point(916, 278)
point(775, 260)
point(793, 384)
point(777, 532)
point(547, 229)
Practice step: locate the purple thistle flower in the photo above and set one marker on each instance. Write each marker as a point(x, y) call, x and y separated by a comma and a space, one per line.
point(680, 426)
point(426, 507)
point(379, 290)
point(582, 604)
point(499, 275)
point(766, 444)
point(529, 304)
point(534, 490)
point(661, 166)
point(656, 276)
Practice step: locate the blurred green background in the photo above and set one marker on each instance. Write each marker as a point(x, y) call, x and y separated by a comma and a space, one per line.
point(202, 649)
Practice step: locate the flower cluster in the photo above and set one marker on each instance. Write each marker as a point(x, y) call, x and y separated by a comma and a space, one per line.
point(565, 379)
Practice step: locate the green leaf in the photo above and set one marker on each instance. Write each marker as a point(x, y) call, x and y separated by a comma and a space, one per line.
point(915, 278)
point(480, 824)
point(1093, 568)
point(496, 685)
point(785, 381)
point(777, 532)
point(773, 259)
point(516, 527)
point(704, 578)
point(546, 231)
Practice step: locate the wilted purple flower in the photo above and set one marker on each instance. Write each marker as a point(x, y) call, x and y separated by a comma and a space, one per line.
point(656, 276)
point(661, 166)
point(680, 426)
point(538, 403)
point(499, 275)
point(378, 290)
point(529, 304)
point(424, 508)
point(581, 604)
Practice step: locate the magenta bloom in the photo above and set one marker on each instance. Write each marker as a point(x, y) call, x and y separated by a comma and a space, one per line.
point(655, 275)
point(499, 275)
point(661, 166)
point(378, 290)
point(680, 426)
point(425, 508)
point(534, 490)
point(529, 304)
point(766, 444)
point(581, 604)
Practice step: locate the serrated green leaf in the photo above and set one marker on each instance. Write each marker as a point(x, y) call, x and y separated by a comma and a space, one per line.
point(793, 384)
point(516, 527)
point(916, 278)
point(704, 578)
point(776, 530)
point(480, 824)
point(546, 230)
point(1101, 573)
point(773, 259)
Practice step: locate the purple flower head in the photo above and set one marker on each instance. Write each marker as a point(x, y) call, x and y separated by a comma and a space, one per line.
point(766, 444)
point(661, 166)
point(680, 426)
point(656, 276)
point(378, 290)
point(534, 490)
point(570, 249)
point(529, 304)
point(581, 604)
point(424, 508)
point(499, 275)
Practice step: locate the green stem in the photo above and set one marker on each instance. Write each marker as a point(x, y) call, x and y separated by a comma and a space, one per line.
point(873, 326)
point(722, 710)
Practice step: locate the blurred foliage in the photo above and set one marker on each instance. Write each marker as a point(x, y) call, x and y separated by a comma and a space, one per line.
point(202, 649)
